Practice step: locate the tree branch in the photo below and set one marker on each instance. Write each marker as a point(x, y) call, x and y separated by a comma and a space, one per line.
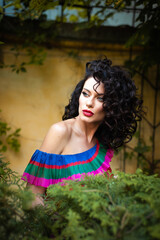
point(158, 124)
point(150, 124)
point(139, 223)
point(145, 78)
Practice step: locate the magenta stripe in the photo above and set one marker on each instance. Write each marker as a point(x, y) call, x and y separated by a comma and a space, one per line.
point(46, 182)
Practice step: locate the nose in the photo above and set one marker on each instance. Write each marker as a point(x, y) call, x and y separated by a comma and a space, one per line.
point(89, 102)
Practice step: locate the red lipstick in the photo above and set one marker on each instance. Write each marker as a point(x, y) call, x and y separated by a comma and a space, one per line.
point(87, 113)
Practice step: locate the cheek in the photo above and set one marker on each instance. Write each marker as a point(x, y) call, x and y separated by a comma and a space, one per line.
point(100, 108)
point(80, 100)
point(101, 111)
point(80, 104)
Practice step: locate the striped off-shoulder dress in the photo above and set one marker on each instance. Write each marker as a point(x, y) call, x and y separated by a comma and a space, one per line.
point(45, 169)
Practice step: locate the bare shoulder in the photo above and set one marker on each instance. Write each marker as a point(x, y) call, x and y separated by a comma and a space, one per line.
point(57, 137)
point(63, 127)
point(59, 128)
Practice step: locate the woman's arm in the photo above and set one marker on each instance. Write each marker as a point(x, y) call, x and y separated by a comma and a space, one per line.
point(54, 142)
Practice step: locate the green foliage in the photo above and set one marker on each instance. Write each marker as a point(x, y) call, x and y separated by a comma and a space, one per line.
point(8, 137)
point(17, 68)
point(122, 207)
point(125, 207)
point(147, 35)
point(140, 154)
point(35, 54)
point(37, 7)
point(31, 12)
point(17, 219)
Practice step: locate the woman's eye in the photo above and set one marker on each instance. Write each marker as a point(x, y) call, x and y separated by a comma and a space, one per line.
point(85, 94)
point(100, 99)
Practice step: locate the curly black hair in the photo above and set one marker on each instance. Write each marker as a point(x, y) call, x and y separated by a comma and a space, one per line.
point(122, 105)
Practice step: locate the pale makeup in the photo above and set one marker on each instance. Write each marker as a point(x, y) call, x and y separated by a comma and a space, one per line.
point(91, 102)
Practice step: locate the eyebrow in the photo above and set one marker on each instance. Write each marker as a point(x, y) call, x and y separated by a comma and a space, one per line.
point(90, 91)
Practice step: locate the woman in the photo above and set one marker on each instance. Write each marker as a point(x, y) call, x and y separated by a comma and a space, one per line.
point(101, 116)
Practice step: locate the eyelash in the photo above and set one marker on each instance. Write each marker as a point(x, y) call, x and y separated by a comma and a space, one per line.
point(86, 94)
point(100, 99)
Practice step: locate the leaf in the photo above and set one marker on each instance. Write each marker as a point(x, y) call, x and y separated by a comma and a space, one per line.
point(137, 134)
point(82, 14)
point(23, 69)
point(142, 149)
point(1, 17)
point(1, 10)
point(8, 5)
point(155, 231)
point(18, 5)
point(3, 148)
point(73, 18)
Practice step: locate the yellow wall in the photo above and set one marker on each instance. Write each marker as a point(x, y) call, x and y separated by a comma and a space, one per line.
point(35, 100)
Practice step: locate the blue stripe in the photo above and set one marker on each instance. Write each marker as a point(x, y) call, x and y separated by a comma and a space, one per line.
point(57, 159)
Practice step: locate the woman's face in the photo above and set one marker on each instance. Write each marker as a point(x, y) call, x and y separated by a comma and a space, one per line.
point(91, 102)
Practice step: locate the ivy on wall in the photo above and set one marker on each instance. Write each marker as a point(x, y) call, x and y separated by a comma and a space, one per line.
point(29, 23)
point(9, 138)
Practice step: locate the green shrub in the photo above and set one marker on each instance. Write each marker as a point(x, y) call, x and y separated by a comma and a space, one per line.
point(17, 219)
point(8, 137)
point(125, 207)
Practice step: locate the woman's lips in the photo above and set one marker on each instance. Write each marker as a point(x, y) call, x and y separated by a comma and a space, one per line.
point(87, 113)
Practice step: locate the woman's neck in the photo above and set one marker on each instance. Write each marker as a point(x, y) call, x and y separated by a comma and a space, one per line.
point(86, 130)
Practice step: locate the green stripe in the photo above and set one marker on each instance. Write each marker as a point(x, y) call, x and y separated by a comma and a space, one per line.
point(66, 172)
